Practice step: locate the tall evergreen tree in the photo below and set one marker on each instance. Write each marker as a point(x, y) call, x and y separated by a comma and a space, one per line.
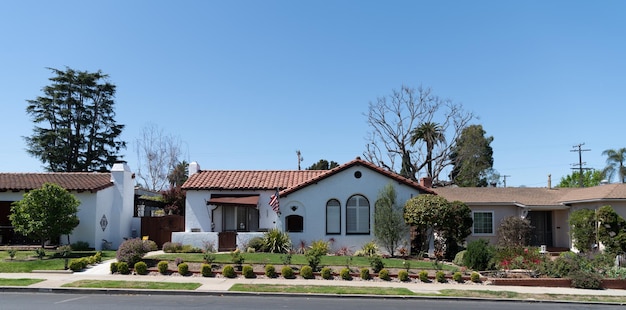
point(472, 158)
point(323, 164)
point(78, 131)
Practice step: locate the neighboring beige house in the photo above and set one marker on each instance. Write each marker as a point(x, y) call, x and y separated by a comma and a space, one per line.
point(106, 203)
point(228, 207)
point(547, 208)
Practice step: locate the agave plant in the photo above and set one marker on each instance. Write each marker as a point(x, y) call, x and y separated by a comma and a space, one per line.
point(276, 241)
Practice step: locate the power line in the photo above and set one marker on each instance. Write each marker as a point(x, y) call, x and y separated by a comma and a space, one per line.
point(578, 148)
point(504, 179)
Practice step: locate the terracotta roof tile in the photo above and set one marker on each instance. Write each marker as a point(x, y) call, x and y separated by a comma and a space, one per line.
point(286, 180)
point(72, 181)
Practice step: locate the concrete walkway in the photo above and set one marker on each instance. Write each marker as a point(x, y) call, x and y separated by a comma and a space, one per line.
point(55, 280)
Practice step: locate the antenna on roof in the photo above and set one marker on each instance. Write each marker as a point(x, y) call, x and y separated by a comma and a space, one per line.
point(300, 158)
point(504, 179)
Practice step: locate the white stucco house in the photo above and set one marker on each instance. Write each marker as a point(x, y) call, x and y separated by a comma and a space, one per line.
point(106, 203)
point(228, 207)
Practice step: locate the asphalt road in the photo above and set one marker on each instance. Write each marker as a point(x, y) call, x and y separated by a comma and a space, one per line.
point(51, 301)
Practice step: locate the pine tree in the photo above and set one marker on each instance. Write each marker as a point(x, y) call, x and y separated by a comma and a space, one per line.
point(75, 129)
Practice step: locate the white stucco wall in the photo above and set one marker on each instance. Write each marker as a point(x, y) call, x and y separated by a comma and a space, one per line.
point(311, 205)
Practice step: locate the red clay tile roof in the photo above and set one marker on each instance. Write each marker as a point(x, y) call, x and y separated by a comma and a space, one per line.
point(71, 181)
point(248, 179)
point(286, 180)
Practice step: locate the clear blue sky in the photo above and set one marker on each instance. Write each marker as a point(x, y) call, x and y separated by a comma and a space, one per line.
point(247, 83)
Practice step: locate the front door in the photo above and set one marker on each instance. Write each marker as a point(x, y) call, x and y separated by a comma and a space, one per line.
point(542, 228)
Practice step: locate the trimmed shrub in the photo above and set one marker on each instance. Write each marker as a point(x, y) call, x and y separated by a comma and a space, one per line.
point(248, 272)
point(287, 272)
point(326, 273)
point(403, 275)
point(163, 266)
point(475, 277)
point(376, 263)
point(440, 276)
point(141, 268)
point(459, 258)
point(133, 250)
point(122, 267)
point(183, 269)
point(206, 270)
point(345, 274)
point(458, 277)
point(113, 267)
point(172, 247)
point(270, 271)
point(229, 271)
point(364, 273)
point(76, 264)
point(307, 272)
point(98, 257)
point(423, 276)
point(257, 244)
point(586, 280)
point(383, 274)
point(478, 255)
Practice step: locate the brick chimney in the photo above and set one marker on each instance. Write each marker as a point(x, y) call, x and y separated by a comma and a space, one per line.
point(426, 182)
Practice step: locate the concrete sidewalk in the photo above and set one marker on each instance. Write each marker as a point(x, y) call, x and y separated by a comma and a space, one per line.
point(55, 280)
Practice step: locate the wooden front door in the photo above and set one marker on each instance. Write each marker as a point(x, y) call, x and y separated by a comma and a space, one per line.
point(227, 241)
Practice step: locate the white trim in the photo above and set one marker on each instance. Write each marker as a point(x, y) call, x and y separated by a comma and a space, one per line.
point(493, 228)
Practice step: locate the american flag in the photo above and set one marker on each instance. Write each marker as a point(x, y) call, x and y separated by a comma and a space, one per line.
point(274, 202)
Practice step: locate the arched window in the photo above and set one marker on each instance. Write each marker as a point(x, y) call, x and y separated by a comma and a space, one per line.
point(294, 223)
point(357, 215)
point(333, 217)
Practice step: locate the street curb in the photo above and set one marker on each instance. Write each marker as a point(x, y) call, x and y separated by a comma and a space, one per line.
point(12, 289)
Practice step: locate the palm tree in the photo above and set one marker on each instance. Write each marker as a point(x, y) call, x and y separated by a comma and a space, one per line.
point(431, 133)
point(615, 163)
point(179, 173)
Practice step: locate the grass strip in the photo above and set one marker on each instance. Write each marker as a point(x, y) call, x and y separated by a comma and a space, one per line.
point(531, 296)
point(19, 282)
point(320, 289)
point(134, 285)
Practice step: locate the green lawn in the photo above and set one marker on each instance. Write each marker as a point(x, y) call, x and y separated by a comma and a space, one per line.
point(19, 282)
point(188, 286)
point(27, 261)
point(320, 289)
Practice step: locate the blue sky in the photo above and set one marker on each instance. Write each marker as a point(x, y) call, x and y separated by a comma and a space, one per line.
point(247, 83)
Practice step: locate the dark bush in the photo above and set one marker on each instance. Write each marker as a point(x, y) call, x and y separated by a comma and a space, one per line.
point(326, 273)
point(206, 270)
point(141, 268)
point(307, 272)
point(364, 273)
point(163, 266)
point(376, 263)
point(383, 274)
point(229, 271)
point(403, 275)
point(113, 267)
point(80, 246)
point(478, 255)
point(183, 269)
point(248, 272)
point(133, 250)
point(270, 271)
point(122, 267)
point(345, 274)
point(586, 280)
point(287, 272)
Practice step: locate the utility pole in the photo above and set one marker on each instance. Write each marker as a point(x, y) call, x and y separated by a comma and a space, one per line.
point(300, 159)
point(578, 148)
point(504, 179)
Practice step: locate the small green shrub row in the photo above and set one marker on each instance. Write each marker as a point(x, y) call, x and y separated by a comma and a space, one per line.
point(78, 264)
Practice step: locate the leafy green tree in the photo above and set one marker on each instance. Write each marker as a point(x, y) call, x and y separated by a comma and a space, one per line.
point(431, 133)
point(472, 158)
point(79, 132)
point(45, 213)
point(389, 225)
point(590, 178)
point(612, 230)
point(582, 224)
point(451, 221)
point(323, 164)
point(615, 164)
